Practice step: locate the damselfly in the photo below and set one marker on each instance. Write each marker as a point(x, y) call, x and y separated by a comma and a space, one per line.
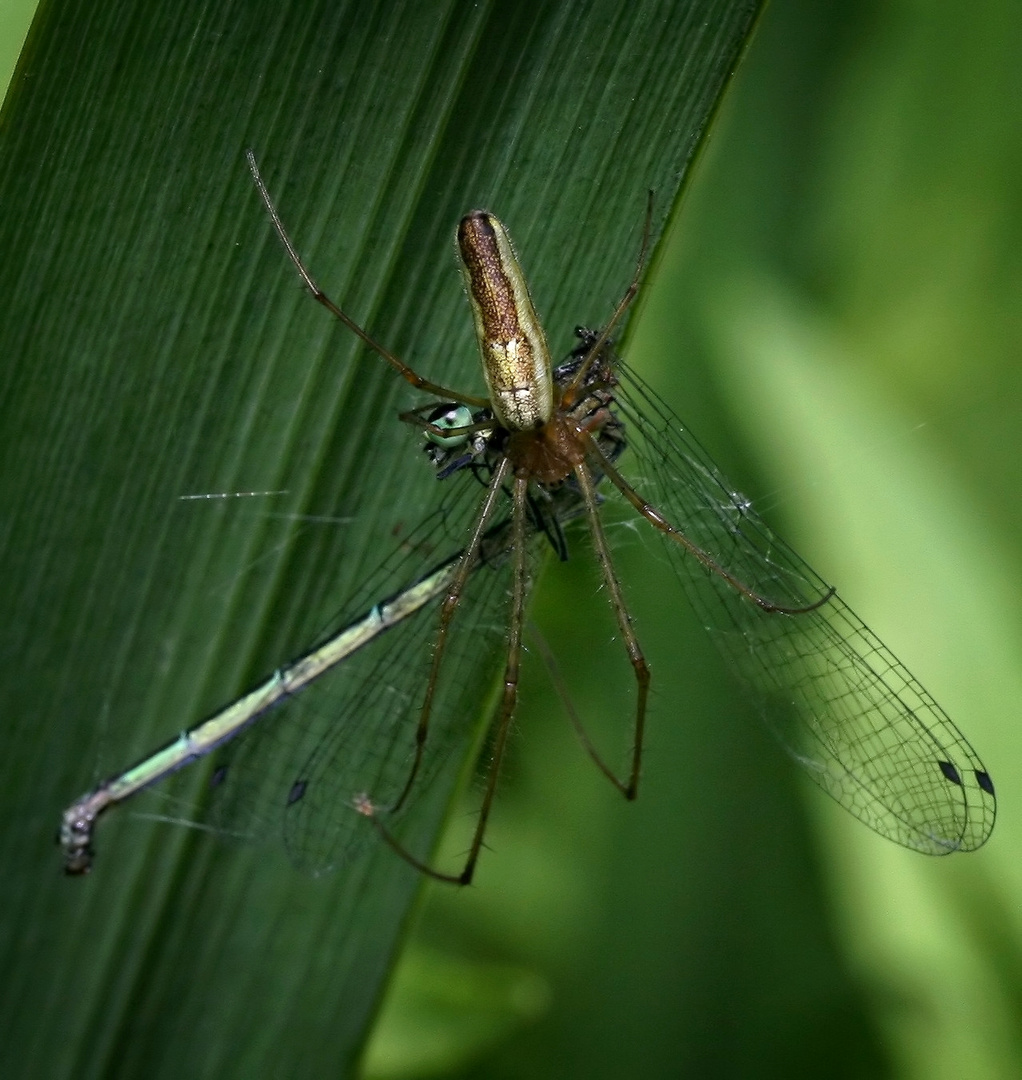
point(514, 470)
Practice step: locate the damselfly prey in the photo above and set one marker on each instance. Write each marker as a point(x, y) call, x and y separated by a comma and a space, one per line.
point(514, 470)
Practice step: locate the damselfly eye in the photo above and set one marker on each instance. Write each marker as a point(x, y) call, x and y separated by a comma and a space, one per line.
point(453, 418)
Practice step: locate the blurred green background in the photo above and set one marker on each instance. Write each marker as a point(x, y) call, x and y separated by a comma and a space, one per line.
point(835, 314)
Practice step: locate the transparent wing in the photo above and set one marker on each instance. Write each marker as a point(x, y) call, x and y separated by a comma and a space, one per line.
point(836, 697)
point(298, 771)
